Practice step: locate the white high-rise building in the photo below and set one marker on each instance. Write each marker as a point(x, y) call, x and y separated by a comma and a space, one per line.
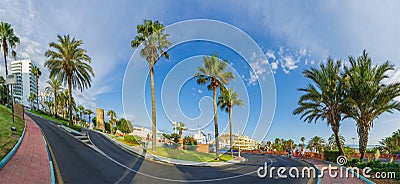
point(26, 82)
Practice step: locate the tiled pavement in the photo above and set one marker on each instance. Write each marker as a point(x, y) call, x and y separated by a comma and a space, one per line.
point(30, 163)
point(326, 179)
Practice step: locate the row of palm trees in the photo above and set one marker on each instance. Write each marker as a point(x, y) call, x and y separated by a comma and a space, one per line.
point(151, 35)
point(354, 91)
point(391, 144)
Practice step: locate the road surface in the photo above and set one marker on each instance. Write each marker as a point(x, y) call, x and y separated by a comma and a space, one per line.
point(79, 163)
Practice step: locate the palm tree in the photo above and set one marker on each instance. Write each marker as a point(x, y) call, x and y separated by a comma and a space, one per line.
point(317, 143)
point(89, 112)
point(31, 99)
point(7, 38)
point(389, 144)
point(213, 73)
point(367, 96)
point(54, 87)
point(180, 126)
point(113, 117)
point(302, 139)
point(332, 141)
point(37, 73)
point(324, 99)
point(70, 64)
point(226, 101)
point(151, 35)
point(81, 110)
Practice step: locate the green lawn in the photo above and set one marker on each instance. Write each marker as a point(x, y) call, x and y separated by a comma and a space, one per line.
point(189, 155)
point(7, 138)
point(62, 121)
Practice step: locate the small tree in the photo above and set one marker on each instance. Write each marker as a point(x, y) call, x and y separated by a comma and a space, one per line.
point(122, 125)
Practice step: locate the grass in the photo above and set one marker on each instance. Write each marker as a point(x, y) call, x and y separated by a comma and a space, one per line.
point(190, 155)
point(60, 120)
point(121, 139)
point(8, 139)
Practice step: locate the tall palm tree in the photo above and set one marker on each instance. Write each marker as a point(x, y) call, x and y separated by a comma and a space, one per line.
point(37, 73)
point(389, 144)
point(70, 64)
point(7, 39)
point(302, 139)
point(317, 143)
point(213, 73)
point(89, 112)
point(180, 126)
point(155, 42)
point(325, 98)
point(113, 118)
point(368, 96)
point(54, 87)
point(81, 110)
point(226, 101)
point(31, 99)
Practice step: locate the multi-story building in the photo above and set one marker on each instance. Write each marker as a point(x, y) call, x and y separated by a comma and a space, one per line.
point(242, 141)
point(26, 83)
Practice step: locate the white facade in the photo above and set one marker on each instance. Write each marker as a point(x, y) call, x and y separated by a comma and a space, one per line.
point(26, 82)
point(200, 137)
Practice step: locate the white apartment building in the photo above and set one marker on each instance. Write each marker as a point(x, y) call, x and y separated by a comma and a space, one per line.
point(26, 82)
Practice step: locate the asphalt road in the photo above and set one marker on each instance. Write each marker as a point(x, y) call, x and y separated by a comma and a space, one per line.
point(79, 163)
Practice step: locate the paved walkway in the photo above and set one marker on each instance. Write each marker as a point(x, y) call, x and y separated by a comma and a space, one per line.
point(326, 179)
point(30, 163)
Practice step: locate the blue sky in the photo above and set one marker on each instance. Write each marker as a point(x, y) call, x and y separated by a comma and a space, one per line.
point(293, 36)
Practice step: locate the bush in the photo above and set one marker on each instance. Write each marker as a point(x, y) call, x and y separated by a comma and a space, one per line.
point(76, 127)
point(189, 140)
point(134, 139)
point(107, 127)
point(331, 155)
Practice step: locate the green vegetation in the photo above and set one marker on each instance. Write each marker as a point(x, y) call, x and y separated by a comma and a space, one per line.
point(377, 166)
point(155, 42)
point(189, 155)
point(133, 139)
point(37, 73)
point(122, 125)
point(7, 138)
point(324, 99)
point(391, 144)
point(60, 120)
point(70, 64)
point(213, 73)
point(227, 101)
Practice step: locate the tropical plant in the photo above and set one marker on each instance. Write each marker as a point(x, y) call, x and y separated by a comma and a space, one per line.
point(325, 98)
point(89, 112)
point(317, 143)
point(113, 117)
point(367, 96)
point(37, 73)
point(155, 42)
point(70, 64)
point(81, 110)
point(3, 91)
point(332, 141)
point(31, 99)
point(213, 73)
point(122, 125)
point(180, 126)
point(227, 101)
point(7, 39)
point(302, 139)
point(54, 87)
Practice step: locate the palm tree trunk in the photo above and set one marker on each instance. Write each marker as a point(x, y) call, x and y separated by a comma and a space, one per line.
point(216, 124)
point(55, 104)
point(153, 112)
point(363, 141)
point(230, 131)
point(337, 139)
point(37, 92)
point(5, 66)
point(70, 101)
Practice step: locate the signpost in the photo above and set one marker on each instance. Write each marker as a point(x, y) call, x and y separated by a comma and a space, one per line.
point(11, 80)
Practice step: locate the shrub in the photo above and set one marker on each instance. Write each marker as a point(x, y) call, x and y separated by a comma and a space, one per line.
point(134, 139)
point(76, 127)
point(107, 127)
point(331, 155)
point(175, 137)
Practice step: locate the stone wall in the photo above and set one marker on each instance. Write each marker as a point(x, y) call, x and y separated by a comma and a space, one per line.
point(100, 119)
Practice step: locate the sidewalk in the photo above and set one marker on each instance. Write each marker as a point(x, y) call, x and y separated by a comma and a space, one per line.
point(140, 151)
point(328, 180)
point(30, 163)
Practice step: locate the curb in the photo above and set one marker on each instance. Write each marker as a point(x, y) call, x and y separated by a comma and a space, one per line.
point(4, 161)
point(362, 178)
point(52, 176)
point(152, 157)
